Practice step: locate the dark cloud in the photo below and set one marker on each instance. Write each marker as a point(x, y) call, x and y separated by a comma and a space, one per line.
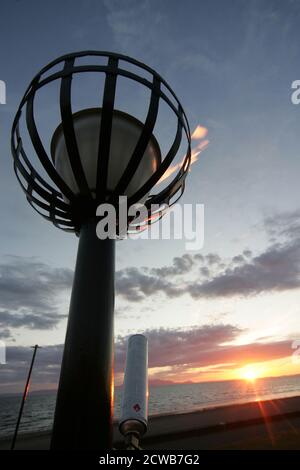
point(247, 253)
point(204, 346)
point(205, 271)
point(136, 284)
point(181, 265)
point(213, 259)
point(186, 263)
point(239, 259)
point(29, 292)
point(285, 224)
point(276, 269)
point(170, 347)
point(38, 321)
point(5, 334)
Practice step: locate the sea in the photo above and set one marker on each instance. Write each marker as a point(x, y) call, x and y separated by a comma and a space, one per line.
point(176, 398)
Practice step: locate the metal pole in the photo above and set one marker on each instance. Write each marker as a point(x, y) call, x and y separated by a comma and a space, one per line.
point(84, 405)
point(13, 443)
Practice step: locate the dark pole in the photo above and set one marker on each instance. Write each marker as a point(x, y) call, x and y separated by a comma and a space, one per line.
point(84, 405)
point(24, 398)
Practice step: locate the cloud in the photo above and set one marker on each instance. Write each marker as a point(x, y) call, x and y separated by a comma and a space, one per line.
point(152, 28)
point(29, 293)
point(43, 321)
point(140, 13)
point(180, 265)
point(275, 269)
point(194, 61)
point(283, 225)
point(134, 284)
point(5, 334)
point(173, 347)
point(247, 253)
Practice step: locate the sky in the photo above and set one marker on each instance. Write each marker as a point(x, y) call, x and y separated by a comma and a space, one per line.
point(211, 313)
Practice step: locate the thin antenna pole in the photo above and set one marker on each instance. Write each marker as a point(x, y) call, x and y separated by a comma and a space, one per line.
point(24, 397)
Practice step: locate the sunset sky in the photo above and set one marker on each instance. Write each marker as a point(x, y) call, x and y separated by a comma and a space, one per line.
point(210, 313)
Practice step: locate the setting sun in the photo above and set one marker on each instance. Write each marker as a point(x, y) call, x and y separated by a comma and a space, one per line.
point(249, 373)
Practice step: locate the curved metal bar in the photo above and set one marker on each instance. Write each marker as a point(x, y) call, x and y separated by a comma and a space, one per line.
point(105, 130)
point(41, 153)
point(41, 204)
point(31, 180)
point(17, 149)
point(161, 170)
point(143, 141)
point(68, 129)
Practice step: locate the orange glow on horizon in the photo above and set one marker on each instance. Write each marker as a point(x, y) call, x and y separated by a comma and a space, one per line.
point(226, 371)
point(217, 372)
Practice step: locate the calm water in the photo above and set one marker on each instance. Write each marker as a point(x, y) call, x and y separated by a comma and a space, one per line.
point(39, 407)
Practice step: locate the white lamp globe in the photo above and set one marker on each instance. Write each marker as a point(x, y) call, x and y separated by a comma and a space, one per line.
point(125, 133)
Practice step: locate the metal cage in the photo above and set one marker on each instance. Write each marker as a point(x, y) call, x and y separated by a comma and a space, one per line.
point(48, 200)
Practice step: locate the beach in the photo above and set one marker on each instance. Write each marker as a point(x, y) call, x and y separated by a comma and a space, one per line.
point(266, 424)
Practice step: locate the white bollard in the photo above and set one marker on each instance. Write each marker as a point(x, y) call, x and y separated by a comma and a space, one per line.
point(134, 407)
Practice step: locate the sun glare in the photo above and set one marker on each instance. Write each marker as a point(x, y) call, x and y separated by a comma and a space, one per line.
point(249, 373)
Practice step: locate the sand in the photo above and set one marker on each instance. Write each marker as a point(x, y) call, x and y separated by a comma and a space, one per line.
point(261, 424)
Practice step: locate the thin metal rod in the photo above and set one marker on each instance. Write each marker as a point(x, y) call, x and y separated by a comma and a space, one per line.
point(84, 406)
point(13, 443)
